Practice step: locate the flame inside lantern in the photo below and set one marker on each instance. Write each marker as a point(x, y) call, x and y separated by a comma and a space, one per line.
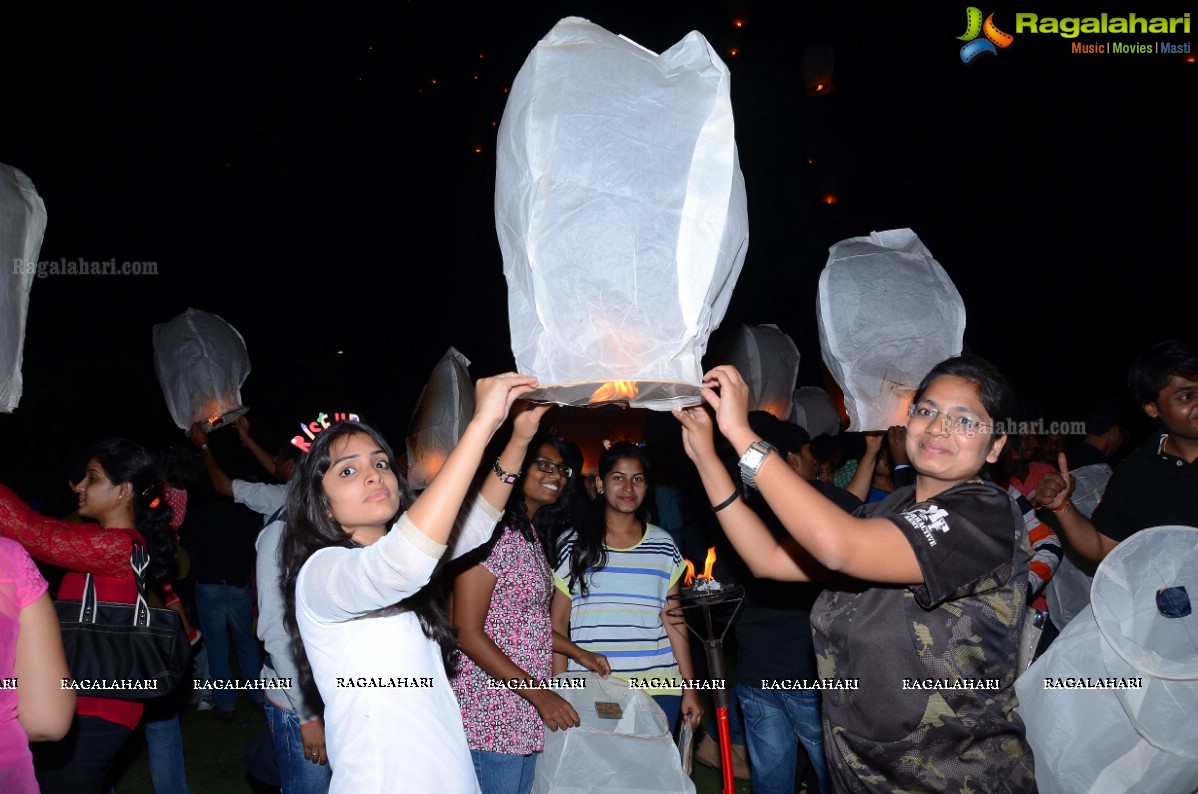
point(615, 390)
point(690, 577)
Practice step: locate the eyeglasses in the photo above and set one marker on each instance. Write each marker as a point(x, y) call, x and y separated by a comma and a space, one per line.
point(960, 425)
point(548, 466)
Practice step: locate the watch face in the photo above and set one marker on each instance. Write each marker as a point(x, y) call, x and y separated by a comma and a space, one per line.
point(752, 459)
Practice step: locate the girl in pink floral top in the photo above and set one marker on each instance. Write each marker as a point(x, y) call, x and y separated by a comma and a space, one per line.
point(501, 609)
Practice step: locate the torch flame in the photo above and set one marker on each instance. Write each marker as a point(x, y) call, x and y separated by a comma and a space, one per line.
point(615, 390)
point(707, 566)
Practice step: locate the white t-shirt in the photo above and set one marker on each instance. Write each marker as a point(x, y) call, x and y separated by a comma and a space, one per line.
point(392, 722)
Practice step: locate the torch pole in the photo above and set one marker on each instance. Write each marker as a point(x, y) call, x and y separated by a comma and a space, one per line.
point(715, 663)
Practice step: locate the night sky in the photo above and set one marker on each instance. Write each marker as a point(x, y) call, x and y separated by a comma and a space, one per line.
point(322, 178)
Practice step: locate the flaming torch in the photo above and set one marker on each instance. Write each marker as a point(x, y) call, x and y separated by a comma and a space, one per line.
point(704, 592)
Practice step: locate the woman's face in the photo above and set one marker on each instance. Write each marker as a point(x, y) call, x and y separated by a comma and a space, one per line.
point(623, 488)
point(949, 451)
point(543, 488)
point(100, 497)
point(362, 489)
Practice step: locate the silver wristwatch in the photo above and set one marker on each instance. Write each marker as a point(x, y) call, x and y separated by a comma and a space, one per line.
point(751, 461)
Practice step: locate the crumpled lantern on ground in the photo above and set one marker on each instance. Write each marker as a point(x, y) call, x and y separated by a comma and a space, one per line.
point(887, 314)
point(815, 412)
point(622, 745)
point(441, 415)
point(1122, 738)
point(201, 363)
point(22, 226)
point(621, 213)
point(769, 362)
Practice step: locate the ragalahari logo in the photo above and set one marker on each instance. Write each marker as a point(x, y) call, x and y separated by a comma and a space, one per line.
point(975, 27)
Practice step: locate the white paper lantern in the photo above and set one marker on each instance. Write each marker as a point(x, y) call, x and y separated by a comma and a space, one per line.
point(201, 363)
point(1068, 590)
point(621, 213)
point(440, 418)
point(769, 362)
point(22, 226)
point(887, 314)
point(1143, 737)
point(815, 412)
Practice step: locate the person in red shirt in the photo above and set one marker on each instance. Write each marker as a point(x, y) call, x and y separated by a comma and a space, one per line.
point(123, 492)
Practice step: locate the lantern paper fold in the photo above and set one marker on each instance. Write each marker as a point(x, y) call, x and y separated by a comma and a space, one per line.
point(22, 226)
point(201, 363)
point(887, 314)
point(440, 418)
point(815, 412)
point(769, 362)
point(1142, 738)
point(621, 214)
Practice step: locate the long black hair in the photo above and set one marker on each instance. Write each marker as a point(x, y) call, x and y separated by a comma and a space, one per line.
point(588, 555)
point(551, 521)
point(125, 461)
point(311, 527)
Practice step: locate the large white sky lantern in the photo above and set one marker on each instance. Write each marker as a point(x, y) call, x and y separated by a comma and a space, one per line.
point(769, 361)
point(22, 225)
point(441, 416)
point(201, 363)
point(1111, 704)
point(887, 314)
point(621, 213)
point(815, 412)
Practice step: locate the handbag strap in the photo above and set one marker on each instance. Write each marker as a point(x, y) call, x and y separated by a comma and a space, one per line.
point(140, 561)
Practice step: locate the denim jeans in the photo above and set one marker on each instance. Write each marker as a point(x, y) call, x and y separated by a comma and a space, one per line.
point(736, 723)
point(297, 775)
point(164, 743)
point(226, 610)
point(775, 723)
point(672, 706)
point(504, 773)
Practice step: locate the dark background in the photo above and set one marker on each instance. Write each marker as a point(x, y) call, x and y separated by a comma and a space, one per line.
point(322, 178)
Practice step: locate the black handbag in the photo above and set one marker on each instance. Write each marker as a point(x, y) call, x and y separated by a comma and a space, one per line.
point(125, 651)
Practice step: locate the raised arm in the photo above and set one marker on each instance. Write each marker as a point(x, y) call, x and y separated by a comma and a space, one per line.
point(220, 481)
point(1052, 493)
point(864, 476)
point(872, 549)
point(264, 458)
point(68, 544)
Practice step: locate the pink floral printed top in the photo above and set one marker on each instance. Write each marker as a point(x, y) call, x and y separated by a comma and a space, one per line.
point(498, 720)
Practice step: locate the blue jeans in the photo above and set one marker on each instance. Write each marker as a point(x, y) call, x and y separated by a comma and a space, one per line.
point(224, 610)
point(774, 720)
point(736, 723)
point(504, 773)
point(297, 775)
point(164, 740)
point(672, 706)
point(79, 763)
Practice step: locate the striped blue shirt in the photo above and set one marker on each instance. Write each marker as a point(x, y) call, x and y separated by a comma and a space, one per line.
point(620, 617)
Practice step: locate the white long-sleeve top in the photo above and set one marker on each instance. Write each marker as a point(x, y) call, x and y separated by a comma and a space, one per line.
point(391, 719)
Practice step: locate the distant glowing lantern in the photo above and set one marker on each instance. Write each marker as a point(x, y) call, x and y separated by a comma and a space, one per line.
point(815, 412)
point(621, 213)
point(441, 415)
point(201, 363)
point(22, 225)
point(769, 362)
point(887, 314)
point(818, 63)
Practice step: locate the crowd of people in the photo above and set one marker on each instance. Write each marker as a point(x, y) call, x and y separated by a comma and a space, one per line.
point(398, 628)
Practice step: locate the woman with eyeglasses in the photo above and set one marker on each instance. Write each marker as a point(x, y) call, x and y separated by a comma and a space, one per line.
point(919, 626)
point(501, 611)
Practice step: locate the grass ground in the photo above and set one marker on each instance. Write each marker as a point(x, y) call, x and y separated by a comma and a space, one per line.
point(216, 758)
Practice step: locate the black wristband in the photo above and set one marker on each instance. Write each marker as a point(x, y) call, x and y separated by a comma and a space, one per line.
point(717, 508)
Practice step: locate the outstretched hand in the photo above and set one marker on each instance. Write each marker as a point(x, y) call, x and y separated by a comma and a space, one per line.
point(697, 431)
point(526, 419)
point(493, 397)
point(726, 391)
point(897, 435)
point(1055, 488)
